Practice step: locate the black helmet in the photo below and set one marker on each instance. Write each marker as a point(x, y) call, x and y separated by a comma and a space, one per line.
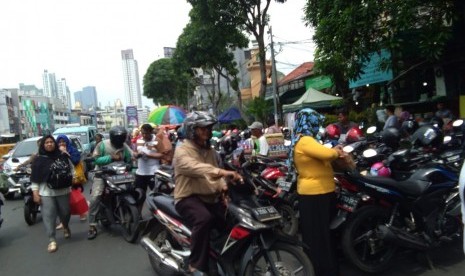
point(246, 134)
point(118, 135)
point(229, 143)
point(428, 136)
point(408, 127)
point(197, 119)
point(437, 122)
point(391, 137)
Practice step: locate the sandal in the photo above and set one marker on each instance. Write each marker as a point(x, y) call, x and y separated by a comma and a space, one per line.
point(52, 247)
point(67, 233)
point(92, 234)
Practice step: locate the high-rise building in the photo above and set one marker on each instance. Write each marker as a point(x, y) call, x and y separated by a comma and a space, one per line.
point(63, 92)
point(77, 100)
point(132, 89)
point(50, 84)
point(89, 98)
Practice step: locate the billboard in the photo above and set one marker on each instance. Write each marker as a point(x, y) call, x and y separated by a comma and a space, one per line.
point(131, 113)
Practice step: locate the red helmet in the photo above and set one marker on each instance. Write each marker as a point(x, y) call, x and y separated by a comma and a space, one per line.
point(333, 132)
point(354, 134)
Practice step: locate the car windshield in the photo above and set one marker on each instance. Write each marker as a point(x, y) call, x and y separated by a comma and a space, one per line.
point(82, 136)
point(25, 148)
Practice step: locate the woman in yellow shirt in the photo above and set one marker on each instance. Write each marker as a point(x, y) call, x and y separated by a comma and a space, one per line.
point(315, 186)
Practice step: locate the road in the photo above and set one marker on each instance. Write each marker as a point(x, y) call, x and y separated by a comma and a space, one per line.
point(23, 251)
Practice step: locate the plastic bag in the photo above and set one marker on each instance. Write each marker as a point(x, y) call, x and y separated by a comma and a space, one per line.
point(79, 177)
point(77, 202)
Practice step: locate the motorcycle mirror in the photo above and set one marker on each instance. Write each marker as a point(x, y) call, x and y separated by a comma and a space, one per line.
point(457, 123)
point(369, 153)
point(371, 130)
point(348, 149)
point(447, 139)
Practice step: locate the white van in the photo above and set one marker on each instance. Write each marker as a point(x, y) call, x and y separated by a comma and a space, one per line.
point(85, 133)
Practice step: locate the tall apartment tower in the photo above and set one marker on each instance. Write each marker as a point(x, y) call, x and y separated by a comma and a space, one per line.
point(132, 89)
point(50, 84)
point(63, 92)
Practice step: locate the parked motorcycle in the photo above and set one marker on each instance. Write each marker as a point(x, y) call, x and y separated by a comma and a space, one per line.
point(31, 209)
point(248, 245)
point(118, 205)
point(418, 213)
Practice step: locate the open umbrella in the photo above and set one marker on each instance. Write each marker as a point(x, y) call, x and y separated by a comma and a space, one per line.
point(167, 115)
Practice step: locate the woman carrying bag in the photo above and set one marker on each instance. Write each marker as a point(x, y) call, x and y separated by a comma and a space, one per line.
point(79, 179)
point(54, 199)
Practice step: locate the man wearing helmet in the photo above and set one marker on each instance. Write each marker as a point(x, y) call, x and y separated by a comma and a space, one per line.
point(199, 185)
point(111, 150)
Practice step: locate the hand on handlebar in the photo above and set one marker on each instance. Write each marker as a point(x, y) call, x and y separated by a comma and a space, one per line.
point(232, 175)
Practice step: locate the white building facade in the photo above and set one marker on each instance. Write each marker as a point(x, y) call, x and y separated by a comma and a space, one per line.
point(132, 88)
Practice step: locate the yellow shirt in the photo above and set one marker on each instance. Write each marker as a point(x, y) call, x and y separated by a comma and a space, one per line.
point(313, 162)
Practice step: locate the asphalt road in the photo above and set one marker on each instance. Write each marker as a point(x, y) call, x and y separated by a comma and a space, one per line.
point(23, 251)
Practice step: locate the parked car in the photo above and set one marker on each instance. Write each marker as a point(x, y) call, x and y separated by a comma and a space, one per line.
point(21, 152)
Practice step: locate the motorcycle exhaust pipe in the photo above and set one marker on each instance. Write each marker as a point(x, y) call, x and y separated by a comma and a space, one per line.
point(155, 251)
point(400, 237)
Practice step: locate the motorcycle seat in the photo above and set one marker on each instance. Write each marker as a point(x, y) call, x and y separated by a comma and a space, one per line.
point(412, 187)
point(166, 204)
point(166, 168)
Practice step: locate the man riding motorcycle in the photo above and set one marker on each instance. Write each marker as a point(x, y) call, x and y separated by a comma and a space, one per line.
point(107, 151)
point(199, 185)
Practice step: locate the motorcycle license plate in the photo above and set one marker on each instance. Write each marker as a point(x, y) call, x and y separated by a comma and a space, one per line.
point(121, 178)
point(347, 202)
point(283, 184)
point(265, 213)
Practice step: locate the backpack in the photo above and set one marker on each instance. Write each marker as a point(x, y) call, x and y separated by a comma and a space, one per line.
point(61, 175)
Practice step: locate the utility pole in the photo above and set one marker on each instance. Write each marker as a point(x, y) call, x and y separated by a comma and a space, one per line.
point(274, 79)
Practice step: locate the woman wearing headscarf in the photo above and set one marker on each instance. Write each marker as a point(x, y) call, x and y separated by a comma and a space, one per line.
point(316, 189)
point(54, 202)
point(65, 146)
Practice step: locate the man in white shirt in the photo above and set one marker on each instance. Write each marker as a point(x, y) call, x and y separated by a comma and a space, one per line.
point(148, 161)
point(261, 145)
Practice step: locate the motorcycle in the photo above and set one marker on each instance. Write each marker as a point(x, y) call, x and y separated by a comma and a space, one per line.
point(418, 213)
point(248, 244)
point(31, 209)
point(164, 179)
point(118, 205)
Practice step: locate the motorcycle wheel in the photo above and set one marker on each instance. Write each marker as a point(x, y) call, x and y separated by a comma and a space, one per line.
point(30, 213)
point(130, 222)
point(160, 236)
point(286, 258)
point(289, 221)
point(361, 244)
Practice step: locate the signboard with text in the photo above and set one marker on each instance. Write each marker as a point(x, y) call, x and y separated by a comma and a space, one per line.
point(371, 71)
point(131, 113)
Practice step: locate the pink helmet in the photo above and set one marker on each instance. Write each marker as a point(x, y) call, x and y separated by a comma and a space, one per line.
point(378, 169)
point(333, 131)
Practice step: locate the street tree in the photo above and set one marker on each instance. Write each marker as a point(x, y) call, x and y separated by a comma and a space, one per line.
point(164, 84)
point(207, 43)
point(347, 32)
point(250, 16)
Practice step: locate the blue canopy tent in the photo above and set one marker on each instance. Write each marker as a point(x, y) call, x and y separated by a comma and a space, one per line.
point(229, 116)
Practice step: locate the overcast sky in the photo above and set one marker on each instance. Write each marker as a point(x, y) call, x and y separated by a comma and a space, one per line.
point(81, 41)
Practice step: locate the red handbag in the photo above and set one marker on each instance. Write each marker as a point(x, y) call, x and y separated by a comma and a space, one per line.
point(77, 202)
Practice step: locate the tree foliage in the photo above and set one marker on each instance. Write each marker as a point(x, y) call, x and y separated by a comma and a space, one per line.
point(207, 42)
point(165, 84)
point(346, 32)
point(250, 16)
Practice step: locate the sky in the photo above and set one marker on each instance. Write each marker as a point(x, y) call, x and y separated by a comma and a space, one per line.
point(81, 41)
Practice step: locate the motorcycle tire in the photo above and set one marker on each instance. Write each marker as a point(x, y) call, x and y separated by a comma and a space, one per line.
point(359, 240)
point(160, 236)
point(289, 221)
point(30, 213)
point(130, 222)
point(283, 255)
